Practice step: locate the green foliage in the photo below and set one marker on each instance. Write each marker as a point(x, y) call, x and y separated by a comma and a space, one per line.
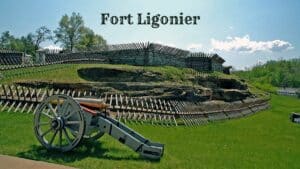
point(284, 73)
point(23, 44)
point(6, 40)
point(72, 34)
point(28, 44)
point(265, 140)
point(69, 31)
point(41, 34)
point(89, 41)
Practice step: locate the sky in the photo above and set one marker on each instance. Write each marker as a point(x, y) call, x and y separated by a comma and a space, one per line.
point(243, 32)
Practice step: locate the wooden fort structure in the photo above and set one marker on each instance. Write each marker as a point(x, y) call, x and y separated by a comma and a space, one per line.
point(10, 57)
point(127, 108)
point(140, 54)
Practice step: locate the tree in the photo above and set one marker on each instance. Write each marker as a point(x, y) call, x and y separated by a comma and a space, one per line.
point(6, 40)
point(29, 45)
point(17, 45)
point(90, 41)
point(69, 31)
point(10, 42)
point(23, 44)
point(41, 34)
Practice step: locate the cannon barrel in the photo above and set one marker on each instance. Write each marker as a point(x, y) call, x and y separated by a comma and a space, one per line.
point(98, 104)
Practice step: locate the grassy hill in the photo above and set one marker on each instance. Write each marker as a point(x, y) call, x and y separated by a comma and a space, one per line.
point(284, 73)
point(68, 72)
point(136, 81)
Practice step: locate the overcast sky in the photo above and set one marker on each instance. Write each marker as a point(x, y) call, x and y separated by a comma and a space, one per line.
point(242, 32)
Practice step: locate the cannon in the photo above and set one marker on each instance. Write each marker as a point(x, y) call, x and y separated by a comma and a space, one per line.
point(295, 117)
point(62, 122)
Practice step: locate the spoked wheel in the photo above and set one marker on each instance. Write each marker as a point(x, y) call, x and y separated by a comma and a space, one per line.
point(59, 123)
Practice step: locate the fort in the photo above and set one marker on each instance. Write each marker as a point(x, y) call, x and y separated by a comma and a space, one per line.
point(164, 94)
point(137, 54)
point(142, 54)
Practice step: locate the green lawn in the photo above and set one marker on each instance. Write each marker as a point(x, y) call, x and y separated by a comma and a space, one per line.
point(67, 73)
point(265, 140)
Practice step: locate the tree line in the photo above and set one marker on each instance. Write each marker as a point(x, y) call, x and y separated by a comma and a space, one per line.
point(283, 73)
point(71, 34)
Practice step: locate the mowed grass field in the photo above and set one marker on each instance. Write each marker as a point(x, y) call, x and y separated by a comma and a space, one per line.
point(265, 140)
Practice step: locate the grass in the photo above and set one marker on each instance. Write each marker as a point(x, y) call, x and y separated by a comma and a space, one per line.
point(265, 140)
point(67, 73)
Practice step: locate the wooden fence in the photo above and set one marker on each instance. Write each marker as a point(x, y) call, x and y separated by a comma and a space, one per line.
point(131, 109)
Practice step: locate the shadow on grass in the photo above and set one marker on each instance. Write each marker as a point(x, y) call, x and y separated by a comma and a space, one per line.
point(86, 149)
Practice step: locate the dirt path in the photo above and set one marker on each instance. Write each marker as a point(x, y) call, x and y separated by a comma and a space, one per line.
point(8, 162)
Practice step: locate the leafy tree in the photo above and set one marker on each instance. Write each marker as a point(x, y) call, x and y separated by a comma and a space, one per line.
point(90, 41)
point(17, 45)
point(23, 44)
point(29, 45)
point(6, 40)
point(69, 31)
point(10, 42)
point(41, 34)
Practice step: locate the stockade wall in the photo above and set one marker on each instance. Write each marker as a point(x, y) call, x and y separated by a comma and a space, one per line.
point(202, 64)
point(138, 54)
point(137, 57)
point(130, 57)
point(11, 58)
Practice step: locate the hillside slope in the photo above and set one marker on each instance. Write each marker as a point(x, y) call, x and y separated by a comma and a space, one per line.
point(284, 73)
point(137, 81)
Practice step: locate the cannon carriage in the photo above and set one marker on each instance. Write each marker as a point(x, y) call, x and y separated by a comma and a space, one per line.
point(295, 118)
point(61, 122)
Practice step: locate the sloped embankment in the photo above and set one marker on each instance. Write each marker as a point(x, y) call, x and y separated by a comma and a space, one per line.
point(194, 99)
point(142, 82)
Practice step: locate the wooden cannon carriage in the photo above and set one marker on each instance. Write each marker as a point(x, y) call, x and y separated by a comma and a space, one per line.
point(61, 122)
point(295, 117)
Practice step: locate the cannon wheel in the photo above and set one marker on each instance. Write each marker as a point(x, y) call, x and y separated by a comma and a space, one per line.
point(59, 123)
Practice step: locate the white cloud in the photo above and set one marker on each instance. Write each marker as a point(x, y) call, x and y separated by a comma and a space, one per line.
point(244, 44)
point(52, 47)
point(195, 47)
point(164, 43)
